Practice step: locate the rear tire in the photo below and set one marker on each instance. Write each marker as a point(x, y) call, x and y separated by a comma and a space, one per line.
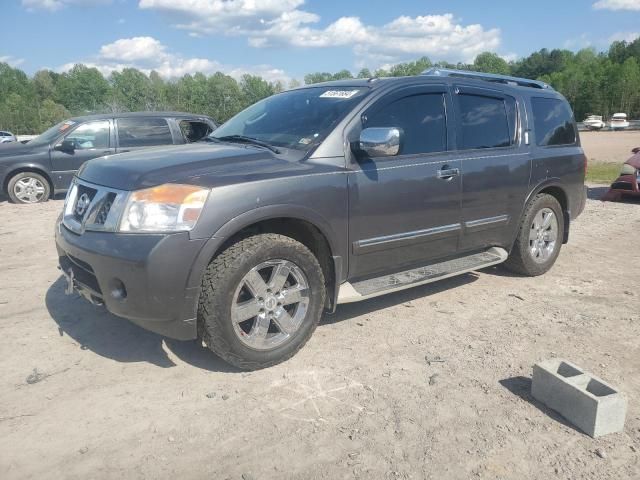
point(539, 239)
point(28, 187)
point(261, 301)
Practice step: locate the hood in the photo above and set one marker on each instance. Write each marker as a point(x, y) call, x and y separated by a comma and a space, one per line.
point(204, 164)
point(14, 149)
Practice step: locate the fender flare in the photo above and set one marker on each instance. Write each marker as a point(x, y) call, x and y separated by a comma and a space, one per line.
point(250, 217)
point(28, 166)
point(548, 182)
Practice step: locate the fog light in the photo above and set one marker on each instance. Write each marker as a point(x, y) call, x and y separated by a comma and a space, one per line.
point(118, 290)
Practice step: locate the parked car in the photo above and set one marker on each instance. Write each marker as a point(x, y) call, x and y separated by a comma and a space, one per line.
point(31, 172)
point(594, 122)
point(628, 183)
point(619, 121)
point(322, 195)
point(7, 137)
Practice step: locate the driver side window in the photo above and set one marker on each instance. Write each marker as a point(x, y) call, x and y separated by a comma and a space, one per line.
point(90, 135)
point(422, 119)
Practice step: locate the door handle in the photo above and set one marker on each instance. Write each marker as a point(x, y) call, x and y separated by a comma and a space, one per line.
point(446, 173)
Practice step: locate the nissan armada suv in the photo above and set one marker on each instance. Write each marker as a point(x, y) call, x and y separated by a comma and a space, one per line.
point(322, 195)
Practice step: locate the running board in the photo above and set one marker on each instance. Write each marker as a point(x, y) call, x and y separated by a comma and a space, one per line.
point(419, 276)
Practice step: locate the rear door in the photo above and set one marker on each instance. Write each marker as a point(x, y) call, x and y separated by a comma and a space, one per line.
point(136, 133)
point(402, 211)
point(495, 165)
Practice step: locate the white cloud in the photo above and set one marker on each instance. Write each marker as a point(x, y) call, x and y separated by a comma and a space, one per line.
point(623, 37)
point(148, 54)
point(12, 61)
point(136, 48)
point(617, 5)
point(270, 23)
point(53, 5)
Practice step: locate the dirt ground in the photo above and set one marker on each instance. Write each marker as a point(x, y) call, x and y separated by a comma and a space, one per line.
point(608, 146)
point(84, 394)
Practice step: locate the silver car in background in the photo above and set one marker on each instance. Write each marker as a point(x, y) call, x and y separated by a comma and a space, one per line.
point(6, 137)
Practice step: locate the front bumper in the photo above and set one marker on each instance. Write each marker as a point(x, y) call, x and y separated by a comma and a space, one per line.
point(143, 278)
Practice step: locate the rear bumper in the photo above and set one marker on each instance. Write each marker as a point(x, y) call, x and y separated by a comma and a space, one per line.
point(143, 278)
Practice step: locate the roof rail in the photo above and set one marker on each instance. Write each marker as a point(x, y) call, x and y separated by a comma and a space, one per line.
point(488, 77)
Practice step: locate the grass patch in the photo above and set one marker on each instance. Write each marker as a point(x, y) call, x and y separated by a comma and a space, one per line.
point(602, 172)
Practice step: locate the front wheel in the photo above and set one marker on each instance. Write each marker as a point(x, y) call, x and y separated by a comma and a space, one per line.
point(539, 239)
point(261, 300)
point(28, 187)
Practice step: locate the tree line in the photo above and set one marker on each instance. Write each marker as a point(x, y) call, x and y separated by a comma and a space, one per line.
point(593, 82)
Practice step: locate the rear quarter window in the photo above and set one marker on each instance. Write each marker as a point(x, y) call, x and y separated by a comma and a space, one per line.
point(553, 122)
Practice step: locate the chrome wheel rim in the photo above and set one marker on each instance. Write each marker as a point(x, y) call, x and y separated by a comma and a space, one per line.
point(543, 235)
point(29, 190)
point(270, 304)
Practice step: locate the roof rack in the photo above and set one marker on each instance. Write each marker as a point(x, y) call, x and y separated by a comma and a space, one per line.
point(488, 77)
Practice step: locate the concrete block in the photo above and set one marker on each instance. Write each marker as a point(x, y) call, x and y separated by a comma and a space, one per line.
point(588, 402)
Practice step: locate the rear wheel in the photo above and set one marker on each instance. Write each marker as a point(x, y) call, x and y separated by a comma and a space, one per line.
point(539, 238)
point(261, 300)
point(28, 187)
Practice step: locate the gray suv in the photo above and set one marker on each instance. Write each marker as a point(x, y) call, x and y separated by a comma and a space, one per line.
point(322, 195)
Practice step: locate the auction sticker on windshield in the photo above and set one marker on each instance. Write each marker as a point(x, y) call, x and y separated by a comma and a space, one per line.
point(345, 94)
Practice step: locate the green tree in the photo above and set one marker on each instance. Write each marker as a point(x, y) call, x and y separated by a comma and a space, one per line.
point(131, 89)
point(82, 90)
point(255, 88)
point(491, 63)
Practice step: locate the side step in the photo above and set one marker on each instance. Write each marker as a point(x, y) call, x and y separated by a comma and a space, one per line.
point(419, 276)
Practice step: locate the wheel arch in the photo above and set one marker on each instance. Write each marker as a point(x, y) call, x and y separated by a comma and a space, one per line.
point(27, 168)
point(300, 223)
point(554, 188)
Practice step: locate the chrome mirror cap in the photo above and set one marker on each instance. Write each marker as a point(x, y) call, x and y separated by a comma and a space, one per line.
point(380, 141)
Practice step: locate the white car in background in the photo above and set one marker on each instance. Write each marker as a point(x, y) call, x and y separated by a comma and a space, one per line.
point(619, 121)
point(6, 137)
point(594, 122)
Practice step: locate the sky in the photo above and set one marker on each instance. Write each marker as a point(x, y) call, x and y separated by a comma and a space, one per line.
point(285, 39)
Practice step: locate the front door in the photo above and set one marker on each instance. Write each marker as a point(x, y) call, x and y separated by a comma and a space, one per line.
point(404, 210)
point(90, 140)
point(496, 165)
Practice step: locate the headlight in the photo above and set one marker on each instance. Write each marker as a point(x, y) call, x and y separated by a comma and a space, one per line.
point(165, 208)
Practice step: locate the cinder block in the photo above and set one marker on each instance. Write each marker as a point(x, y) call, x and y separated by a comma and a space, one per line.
point(588, 402)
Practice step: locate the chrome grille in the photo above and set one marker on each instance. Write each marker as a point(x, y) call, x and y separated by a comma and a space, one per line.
point(91, 207)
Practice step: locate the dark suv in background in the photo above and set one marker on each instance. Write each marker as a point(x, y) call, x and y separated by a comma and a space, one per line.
point(322, 195)
point(32, 172)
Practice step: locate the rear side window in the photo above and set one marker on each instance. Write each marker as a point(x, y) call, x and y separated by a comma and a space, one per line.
point(194, 130)
point(422, 119)
point(143, 132)
point(553, 122)
point(486, 122)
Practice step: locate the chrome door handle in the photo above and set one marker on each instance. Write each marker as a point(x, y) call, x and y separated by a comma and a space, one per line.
point(448, 173)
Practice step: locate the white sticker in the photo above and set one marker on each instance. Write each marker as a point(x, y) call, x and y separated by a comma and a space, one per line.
point(339, 94)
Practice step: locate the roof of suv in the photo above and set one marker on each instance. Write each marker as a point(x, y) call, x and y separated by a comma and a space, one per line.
point(104, 116)
point(450, 77)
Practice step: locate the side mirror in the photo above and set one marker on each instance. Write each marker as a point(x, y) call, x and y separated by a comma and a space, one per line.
point(67, 146)
point(380, 141)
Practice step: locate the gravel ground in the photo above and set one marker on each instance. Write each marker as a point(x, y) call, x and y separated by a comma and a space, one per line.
point(84, 394)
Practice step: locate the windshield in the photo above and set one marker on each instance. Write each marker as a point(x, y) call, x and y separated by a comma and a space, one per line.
point(298, 119)
point(53, 133)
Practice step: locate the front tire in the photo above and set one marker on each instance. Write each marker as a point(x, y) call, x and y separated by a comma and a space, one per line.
point(28, 187)
point(261, 301)
point(539, 239)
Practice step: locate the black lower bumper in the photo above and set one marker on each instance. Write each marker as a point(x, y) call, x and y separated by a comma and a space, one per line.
point(143, 278)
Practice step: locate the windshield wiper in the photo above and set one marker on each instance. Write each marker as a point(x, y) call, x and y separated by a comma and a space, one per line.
point(251, 140)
